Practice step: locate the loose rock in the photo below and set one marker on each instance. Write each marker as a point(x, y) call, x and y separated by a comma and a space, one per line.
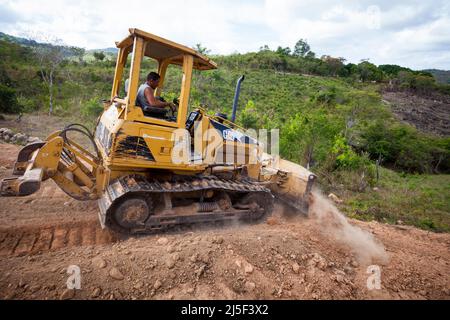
point(190, 290)
point(116, 274)
point(170, 249)
point(248, 268)
point(157, 284)
point(67, 294)
point(335, 198)
point(99, 263)
point(96, 293)
point(162, 241)
point(249, 286)
point(170, 263)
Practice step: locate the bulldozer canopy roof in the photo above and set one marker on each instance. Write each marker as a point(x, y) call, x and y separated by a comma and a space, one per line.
point(161, 49)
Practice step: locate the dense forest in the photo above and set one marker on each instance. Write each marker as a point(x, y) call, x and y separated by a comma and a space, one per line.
point(330, 113)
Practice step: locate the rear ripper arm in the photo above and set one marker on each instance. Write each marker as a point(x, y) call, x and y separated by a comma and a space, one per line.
point(74, 169)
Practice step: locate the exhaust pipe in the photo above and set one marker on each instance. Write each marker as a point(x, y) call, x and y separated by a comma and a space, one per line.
point(236, 97)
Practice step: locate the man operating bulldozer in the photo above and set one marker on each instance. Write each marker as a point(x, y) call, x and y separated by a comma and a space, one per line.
point(134, 172)
point(146, 96)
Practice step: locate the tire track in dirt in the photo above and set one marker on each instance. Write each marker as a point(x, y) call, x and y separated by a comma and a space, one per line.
point(28, 241)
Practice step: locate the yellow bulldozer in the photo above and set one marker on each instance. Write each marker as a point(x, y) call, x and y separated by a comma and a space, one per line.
point(150, 170)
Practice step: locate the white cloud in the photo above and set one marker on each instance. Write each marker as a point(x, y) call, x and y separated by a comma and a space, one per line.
point(411, 33)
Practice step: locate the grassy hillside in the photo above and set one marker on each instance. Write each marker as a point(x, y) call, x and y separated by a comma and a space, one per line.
point(419, 200)
point(331, 118)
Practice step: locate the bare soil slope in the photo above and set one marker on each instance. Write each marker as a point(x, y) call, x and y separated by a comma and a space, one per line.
point(317, 258)
point(428, 114)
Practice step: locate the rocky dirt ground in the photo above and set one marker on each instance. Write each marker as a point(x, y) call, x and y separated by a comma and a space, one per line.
point(429, 114)
point(40, 125)
point(296, 258)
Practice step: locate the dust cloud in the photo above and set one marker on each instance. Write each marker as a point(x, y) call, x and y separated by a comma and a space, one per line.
point(334, 224)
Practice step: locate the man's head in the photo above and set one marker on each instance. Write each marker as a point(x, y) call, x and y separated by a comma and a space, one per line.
point(153, 79)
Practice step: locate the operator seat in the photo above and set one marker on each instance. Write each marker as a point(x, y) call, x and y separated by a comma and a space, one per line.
point(153, 112)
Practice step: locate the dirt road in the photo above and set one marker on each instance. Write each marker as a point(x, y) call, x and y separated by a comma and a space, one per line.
point(43, 234)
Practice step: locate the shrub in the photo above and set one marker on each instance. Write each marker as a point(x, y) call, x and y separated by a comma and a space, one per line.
point(345, 157)
point(403, 147)
point(327, 96)
point(92, 108)
point(8, 100)
point(27, 104)
point(249, 117)
point(98, 55)
point(308, 138)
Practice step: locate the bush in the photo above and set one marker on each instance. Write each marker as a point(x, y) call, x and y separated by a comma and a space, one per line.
point(327, 96)
point(308, 138)
point(345, 157)
point(27, 104)
point(369, 72)
point(249, 116)
point(98, 55)
point(92, 108)
point(8, 100)
point(419, 82)
point(403, 147)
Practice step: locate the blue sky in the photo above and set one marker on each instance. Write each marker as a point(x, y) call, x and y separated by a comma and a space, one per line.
point(411, 33)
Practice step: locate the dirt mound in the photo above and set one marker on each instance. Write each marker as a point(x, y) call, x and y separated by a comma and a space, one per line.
point(323, 257)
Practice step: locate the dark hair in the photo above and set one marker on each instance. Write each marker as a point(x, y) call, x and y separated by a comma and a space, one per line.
point(153, 76)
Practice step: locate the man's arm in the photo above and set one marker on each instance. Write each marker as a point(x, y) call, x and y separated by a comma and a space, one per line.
point(153, 101)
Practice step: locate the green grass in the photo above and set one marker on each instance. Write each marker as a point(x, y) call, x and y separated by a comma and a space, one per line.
point(419, 200)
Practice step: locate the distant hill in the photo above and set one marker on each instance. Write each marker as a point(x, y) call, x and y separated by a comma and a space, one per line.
point(19, 40)
point(105, 50)
point(33, 43)
point(442, 76)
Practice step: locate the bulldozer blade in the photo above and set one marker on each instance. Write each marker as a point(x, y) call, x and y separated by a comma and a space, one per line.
point(24, 185)
point(292, 184)
point(296, 200)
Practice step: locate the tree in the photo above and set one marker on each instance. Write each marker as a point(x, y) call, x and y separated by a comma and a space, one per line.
point(369, 72)
point(78, 52)
point(283, 51)
point(201, 49)
point(425, 84)
point(99, 55)
point(417, 82)
point(308, 137)
point(334, 64)
point(8, 100)
point(310, 55)
point(50, 54)
point(392, 69)
point(301, 48)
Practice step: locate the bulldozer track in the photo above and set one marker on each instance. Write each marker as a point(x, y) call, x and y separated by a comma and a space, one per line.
point(24, 241)
point(29, 241)
point(134, 184)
